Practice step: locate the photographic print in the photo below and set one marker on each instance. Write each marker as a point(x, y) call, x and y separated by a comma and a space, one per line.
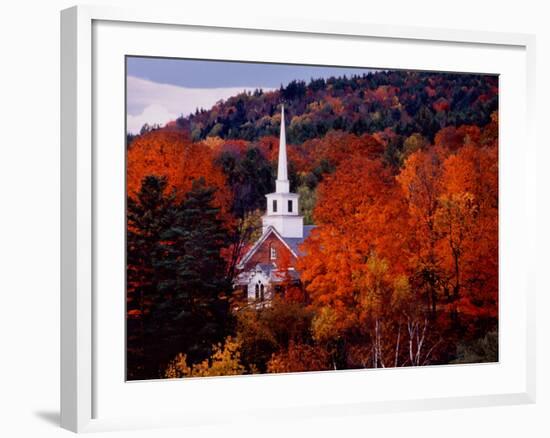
point(294, 218)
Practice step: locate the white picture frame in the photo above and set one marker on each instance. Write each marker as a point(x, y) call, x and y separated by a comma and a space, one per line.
point(81, 172)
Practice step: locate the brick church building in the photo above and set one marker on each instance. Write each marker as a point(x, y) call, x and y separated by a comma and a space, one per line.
point(272, 259)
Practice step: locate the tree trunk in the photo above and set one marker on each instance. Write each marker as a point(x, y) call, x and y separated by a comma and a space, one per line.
point(397, 346)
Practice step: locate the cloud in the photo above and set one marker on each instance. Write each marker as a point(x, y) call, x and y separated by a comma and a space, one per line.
point(155, 103)
point(152, 114)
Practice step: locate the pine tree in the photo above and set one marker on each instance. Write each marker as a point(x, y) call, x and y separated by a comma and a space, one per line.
point(148, 217)
point(196, 311)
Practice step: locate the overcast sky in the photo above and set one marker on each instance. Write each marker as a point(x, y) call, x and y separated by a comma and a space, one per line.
point(161, 89)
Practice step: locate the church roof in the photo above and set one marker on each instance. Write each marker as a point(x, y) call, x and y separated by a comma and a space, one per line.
point(266, 268)
point(292, 243)
point(274, 275)
point(277, 276)
point(295, 242)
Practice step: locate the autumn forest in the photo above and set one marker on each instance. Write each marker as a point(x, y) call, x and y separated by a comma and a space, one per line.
point(397, 178)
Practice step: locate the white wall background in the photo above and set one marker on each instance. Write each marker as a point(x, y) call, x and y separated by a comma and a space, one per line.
point(29, 216)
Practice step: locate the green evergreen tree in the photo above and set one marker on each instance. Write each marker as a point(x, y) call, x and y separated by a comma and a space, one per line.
point(148, 217)
point(250, 178)
point(196, 309)
point(177, 290)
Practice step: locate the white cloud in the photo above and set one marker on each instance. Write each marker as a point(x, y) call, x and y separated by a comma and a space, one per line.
point(152, 114)
point(152, 103)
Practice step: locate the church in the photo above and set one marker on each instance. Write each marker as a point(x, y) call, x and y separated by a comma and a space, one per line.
point(272, 259)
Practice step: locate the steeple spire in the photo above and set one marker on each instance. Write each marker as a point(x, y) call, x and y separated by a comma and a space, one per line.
point(283, 211)
point(281, 184)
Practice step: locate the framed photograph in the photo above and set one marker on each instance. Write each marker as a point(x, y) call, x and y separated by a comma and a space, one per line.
point(265, 208)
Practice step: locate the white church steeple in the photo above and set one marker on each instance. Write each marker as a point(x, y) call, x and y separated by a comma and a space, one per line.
point(282, 206)
point(281, 184)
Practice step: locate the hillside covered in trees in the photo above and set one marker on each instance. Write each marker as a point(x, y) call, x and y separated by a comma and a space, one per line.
point(405, 102)
point(398, 171)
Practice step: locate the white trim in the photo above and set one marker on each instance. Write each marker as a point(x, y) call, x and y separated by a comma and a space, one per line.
point(259, 242)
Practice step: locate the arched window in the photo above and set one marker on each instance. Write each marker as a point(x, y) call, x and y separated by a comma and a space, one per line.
point(257, 291)
point(261, 292)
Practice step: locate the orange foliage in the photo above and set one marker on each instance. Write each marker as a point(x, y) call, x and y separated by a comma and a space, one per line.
point(238, 146)
point(453, 217)
point(384, 94)
point(269, 147)
point(171, 154)
point(298, 358)
point(293, 293)
point(489, 134)
point(360, 213)
point(420, 181)
point(438, 217)
point(338, 146)
point(468, 218)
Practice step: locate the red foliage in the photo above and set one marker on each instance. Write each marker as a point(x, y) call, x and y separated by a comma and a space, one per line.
point(441, 104)
point(173, 155)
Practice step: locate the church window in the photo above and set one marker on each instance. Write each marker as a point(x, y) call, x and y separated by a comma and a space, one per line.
point(257, 290)
point(275, 206)
point(261, 292)
point(290, 206)
point(272, 253)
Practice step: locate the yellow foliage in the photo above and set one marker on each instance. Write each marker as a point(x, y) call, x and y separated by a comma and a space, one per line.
point(214, 143)
point(177, 367)
point(325, 325)
point(225, 361)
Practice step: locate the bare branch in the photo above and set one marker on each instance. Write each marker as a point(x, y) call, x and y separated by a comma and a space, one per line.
point(426, 358)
